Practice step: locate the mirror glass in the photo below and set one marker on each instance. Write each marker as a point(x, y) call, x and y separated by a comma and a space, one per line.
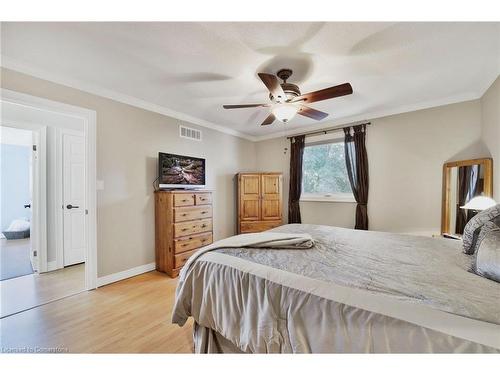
point(466, 182)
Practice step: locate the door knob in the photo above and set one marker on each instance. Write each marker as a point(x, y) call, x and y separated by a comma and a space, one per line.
point(70, 206)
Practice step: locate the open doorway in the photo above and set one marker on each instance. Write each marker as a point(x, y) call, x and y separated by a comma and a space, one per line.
point(42, 216)
point(57, 129)
point(17, 255)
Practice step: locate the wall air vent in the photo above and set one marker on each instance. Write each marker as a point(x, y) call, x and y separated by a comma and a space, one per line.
point(189, 133)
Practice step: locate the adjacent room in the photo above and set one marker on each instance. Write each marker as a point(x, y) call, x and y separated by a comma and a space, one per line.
point(250, 187)
point(16, 253)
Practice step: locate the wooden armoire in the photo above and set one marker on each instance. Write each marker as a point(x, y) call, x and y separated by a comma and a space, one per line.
point(260, 205)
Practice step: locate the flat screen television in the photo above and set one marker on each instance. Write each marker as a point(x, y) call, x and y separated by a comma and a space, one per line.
point(178, 171)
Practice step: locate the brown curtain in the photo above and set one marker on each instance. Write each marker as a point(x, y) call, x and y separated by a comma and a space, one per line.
point(296, 157)
point(357, 168)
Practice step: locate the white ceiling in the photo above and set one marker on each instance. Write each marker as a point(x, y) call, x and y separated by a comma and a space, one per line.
point(190, 69)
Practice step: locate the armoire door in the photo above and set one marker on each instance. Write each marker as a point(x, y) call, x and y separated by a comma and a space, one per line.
point(249, 197)
point(271, 197)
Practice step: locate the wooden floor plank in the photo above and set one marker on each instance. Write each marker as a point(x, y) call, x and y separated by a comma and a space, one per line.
point(25, 292)
point(130, 316)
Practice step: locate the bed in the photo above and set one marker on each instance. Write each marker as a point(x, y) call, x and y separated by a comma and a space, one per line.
point(353, 292)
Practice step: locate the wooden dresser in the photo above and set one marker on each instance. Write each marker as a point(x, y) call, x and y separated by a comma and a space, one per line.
point(183, 224)
point(260, 203)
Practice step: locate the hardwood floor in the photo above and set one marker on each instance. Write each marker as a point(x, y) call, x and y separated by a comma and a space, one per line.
point(130, 316)
point(28, 291)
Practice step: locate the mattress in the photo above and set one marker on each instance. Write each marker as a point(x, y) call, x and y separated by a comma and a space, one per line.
point(355, 291)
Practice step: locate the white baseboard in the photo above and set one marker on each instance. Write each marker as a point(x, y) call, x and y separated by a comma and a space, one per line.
point(114, 277)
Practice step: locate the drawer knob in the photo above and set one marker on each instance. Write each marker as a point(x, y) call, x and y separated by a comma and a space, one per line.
point(190, 238)
point(204, 225)
point(184, 215)
point(204, 212)
point(184, 229)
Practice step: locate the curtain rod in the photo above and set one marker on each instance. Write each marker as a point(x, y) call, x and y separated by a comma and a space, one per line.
point(326, 131)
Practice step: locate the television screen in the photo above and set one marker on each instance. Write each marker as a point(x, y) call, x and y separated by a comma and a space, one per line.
point(181, 171)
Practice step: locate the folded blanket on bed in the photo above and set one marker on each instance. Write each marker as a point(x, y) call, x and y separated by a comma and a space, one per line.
point(268, 240)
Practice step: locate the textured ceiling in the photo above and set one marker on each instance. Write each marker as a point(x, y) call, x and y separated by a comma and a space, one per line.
point(194, 68)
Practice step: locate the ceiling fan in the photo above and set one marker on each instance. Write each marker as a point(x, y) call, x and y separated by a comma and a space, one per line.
point(287, 101)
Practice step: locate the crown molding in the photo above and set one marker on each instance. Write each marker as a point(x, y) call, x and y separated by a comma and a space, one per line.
point(368, 116)
point(139, 103)
point(349, 120)
point(12, 64)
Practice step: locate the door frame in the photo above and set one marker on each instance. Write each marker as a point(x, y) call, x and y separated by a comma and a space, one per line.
point(55, 112)
point(59, 201)
point(39, 191)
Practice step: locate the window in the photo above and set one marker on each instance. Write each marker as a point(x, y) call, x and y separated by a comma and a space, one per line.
point(324, 173)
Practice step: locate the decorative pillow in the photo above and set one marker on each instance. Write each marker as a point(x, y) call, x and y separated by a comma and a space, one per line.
point(483, 232)
point(471, 230)
point(497, 221)
point(487, 263)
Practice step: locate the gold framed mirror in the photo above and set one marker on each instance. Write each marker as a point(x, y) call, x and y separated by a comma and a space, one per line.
point(462, 181)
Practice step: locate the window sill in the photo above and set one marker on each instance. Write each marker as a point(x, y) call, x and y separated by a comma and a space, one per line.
point(332, 199)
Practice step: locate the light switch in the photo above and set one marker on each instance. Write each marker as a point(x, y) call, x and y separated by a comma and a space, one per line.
point(99, 185)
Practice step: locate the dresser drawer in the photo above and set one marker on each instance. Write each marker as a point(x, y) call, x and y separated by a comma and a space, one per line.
point(192, 242)
point(181, 259)
point(203, 198)
point(192, 227)
point(258, 226)
point(192, 213)
point(183, 199)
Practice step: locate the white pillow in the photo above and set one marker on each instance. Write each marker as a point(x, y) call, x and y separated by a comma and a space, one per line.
point(18, 226)
point(487, 263)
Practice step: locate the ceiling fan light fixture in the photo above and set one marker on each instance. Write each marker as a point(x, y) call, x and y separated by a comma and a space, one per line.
point(286, 100)
point(284, 112)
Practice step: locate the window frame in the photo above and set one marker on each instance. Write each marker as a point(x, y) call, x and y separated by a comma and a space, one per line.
point(326, 197)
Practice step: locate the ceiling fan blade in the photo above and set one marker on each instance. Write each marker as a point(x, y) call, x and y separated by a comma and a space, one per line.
point(273, 85)
point(269, 120)
point(329, 93)
point(311, 113)
point(233, 106)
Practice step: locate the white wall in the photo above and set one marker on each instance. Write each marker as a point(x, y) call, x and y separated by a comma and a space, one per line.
point(490, 111)
point(406, 153)
point(128, 142)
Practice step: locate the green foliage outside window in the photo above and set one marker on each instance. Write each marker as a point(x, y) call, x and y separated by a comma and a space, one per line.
point(324, 169)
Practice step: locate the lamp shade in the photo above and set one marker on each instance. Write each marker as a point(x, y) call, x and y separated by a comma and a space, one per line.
point(284, 112)
point(479, 204)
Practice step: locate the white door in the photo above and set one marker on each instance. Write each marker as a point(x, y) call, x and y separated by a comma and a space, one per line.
point(74, 198)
